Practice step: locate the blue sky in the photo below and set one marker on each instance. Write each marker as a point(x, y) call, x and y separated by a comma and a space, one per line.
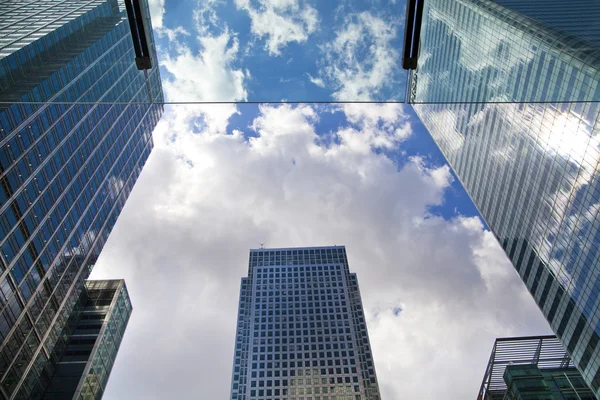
point(436, 287)
point(282, 70)
point(296, 50)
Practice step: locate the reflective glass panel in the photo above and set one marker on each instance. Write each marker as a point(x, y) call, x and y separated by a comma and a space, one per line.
point(508, 51)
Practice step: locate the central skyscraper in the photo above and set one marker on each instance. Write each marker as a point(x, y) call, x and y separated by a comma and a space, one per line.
point(301, 331)
point(76, 124)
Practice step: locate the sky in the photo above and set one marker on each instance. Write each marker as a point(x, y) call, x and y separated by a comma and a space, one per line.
point(436, 287)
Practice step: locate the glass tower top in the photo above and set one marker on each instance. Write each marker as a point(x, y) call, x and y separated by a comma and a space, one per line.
point(301, 330)
point(22, 23)
point(68, 52)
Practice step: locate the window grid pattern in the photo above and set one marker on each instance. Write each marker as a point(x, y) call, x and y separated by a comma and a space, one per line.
point(90, 342)
point(66, 171)
point(102, 358)
point(531, 171)
point(482, 51)
point(301, 330)
point(64, 64)
point(23, 22)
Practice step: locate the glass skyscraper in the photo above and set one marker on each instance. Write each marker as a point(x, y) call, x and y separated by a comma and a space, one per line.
point(75, 131)
point(90, 341)
point(301, 331)
point(530, 168)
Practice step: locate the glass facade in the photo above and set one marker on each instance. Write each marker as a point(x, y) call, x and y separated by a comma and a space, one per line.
point(66, 169)
point(90, 342)
point(71, 51)
point(508, 51)
point(578, 17)
point(301, 331)
point(532, 172)
point(530, 168)
point(529, 382)
point(24, 22)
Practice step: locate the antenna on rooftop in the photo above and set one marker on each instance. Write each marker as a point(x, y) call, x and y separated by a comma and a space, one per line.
point(262, 245)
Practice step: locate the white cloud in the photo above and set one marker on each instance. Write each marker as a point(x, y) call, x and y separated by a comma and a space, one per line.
point(205, 76)
point(208, 75)
point(157, 12)
point(204, 199)
point(362, 58)
point(317, 81)
point(379, 126)
point(201, 67)
point(172, 34)
point(280, 21)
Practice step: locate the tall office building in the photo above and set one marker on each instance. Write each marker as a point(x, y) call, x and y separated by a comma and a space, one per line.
point(90, 342)
point(301, 331)
point(75, 130)
point(534, 367)
point(530, 168)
